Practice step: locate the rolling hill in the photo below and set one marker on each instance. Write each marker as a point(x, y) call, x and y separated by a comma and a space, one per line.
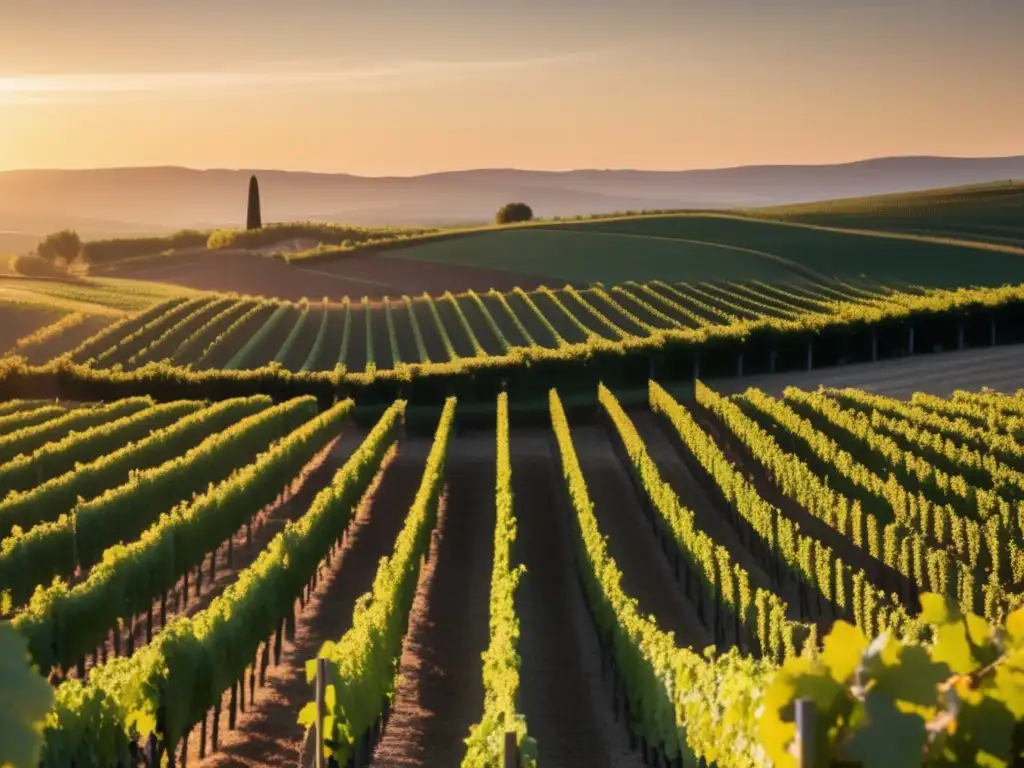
point(126, 201)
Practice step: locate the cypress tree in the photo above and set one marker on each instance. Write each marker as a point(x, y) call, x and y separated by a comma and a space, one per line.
point(253, 219)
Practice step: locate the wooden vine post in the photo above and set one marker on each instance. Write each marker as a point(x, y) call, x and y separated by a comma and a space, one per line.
point(806, 725)
point(321, 684)
point(511, 750)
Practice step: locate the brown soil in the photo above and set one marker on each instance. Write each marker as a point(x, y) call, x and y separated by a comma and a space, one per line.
point(355, 275)
point(669, 298)
point(741, 456)
point(530, 320)
point(459, 338)
point(566, 328)
point(481, 328)
point(126, 347)
point(646, 574)
point(191, 348)
point(643, 313)
point(182, 331)
point(431, 335)
point(327, 357)
point(566, 702)
point(268, 350)
point(576, 307)
point(303, 345)
point(441, 694)
point(268, 734)
point(382, 356)
point(403, 330)
point(504, 321)
point(267, 523)
point(997, 367)
point(17, 322)
point(355, 354)
point(222, 354)
point(677, 474)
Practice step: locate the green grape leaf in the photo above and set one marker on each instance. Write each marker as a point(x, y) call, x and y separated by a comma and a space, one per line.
point(25, 699)
point(1008, 687)
point(307, 715)
point(935, 609)
point(984, 729)
point(952, 647)
point(913, 678)
point(887, 737)
point(842, 651)
point(1015, 626)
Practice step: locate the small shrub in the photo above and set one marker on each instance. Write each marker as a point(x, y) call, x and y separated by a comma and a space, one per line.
point(34, 265)
point(511, 213)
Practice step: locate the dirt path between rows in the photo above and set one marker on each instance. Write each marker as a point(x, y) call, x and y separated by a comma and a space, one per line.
point(674, 471)
point(268, 734)
point(566, 703)
point(441, 691)
point(999, 367)
point(646, 574)
point(876, 571)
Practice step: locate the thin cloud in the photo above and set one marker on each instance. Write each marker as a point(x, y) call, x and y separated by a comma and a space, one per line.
point(273, 75)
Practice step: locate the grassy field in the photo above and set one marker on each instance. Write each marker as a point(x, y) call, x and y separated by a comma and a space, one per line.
point(727, 247)
point(987, 212)
point(587, 253)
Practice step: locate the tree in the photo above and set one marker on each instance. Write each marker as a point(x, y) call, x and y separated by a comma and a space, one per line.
point(513, 212)
point(65, 244)
point(253, 218)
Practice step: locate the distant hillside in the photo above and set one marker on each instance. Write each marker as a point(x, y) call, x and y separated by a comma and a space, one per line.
point(152, 200)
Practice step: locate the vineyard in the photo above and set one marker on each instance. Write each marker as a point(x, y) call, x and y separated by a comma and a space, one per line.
point(474, 345)
point(176, 569)
point(215, 331)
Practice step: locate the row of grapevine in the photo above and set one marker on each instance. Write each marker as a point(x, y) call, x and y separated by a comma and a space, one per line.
point(60, 456)
point(125, 347)
point(981, 529)
point(667, 688)
point(253, 342)
point(318, 341)
point(946, 510)
point(501, 715)
point(1012, 404)
point(828, 585)
point(754, 619)
point(979, 429)
point(28, 417)
point(164, 345)
point(949, 453)
point(298, 329)
point(417, 332)
point(362, 664)
point(191, 348)
point(15, 407)
point(30, 438)
point(64, 624)
point(899, 545)
point(119, 329)
point(48, 332)
point(138, 481)
point(221, 350)
point(166, 688)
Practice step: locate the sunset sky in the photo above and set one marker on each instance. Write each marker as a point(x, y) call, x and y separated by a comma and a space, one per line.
point(399, 87)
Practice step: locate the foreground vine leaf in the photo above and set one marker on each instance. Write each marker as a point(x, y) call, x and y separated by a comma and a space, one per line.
point(25, 698)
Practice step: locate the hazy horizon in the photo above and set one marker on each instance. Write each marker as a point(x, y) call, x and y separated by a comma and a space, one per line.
point(398, 89)
point(443, 171)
